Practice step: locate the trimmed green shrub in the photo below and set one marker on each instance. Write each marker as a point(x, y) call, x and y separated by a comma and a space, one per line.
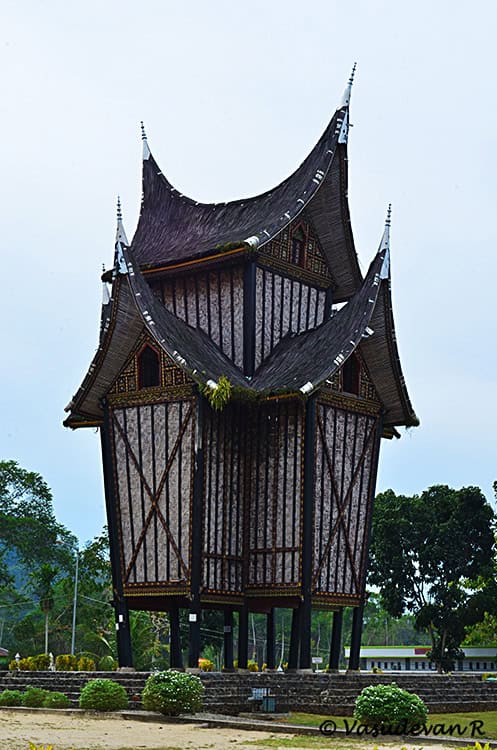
point(66, 663)
point(11, 698)
point(85, 664)
point(389, 704)
point(34, 697)
point(103, 695)
point(107, 664)
point(39, 662)
point(173, 693)
point(36, 663)
point(54, 699)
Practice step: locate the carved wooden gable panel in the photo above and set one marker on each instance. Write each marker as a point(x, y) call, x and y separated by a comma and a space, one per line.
point(297, 250)
point(345, 462)
point(153, 450)
point(170, 377)
point(359, 384)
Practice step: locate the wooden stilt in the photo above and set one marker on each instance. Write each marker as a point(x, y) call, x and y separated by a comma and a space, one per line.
point(355, 640)
point(243, 637)
point(336, 640)
point(176, 656)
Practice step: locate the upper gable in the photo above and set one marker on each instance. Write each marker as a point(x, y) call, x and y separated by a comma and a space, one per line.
point(297, 251)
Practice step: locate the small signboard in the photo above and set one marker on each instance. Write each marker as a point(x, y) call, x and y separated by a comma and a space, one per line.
point(317, 659)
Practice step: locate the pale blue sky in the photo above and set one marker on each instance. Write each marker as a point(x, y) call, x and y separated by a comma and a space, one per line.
point(234, 95)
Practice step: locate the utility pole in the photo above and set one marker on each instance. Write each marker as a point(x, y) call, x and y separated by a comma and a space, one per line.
point(74, 603)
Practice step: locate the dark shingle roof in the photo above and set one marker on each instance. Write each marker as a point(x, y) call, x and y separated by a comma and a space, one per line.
point(174, 228)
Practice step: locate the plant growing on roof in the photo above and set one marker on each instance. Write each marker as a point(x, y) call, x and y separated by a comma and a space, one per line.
point(218, 394)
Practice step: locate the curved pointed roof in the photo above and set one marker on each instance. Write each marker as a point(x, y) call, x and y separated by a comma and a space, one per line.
point(173, 227)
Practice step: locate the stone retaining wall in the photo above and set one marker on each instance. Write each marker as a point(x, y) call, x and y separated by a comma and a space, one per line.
point(332, 694)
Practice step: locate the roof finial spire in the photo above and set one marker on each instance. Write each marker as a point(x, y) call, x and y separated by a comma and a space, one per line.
point(146, 150)
point(120, 233)
point(348, 89)
point(385, 245)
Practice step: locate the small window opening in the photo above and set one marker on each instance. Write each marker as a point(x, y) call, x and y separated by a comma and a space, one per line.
point(350, 375)
point(148, 368)
point(298, 247)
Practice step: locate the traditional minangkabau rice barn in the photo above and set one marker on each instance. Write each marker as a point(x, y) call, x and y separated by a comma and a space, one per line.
point(245, 375)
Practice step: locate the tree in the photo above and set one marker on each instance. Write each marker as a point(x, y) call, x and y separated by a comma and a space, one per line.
point(42, 585)
point(484, 633)
point(432, 555)
point(27, 521)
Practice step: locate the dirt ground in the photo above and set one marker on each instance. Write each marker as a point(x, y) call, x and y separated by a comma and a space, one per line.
point(112, 733)
point(72, 732)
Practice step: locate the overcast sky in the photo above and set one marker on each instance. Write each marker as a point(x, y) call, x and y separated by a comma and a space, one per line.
point(234, 95)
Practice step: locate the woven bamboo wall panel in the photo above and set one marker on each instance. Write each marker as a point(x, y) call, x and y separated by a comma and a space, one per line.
point(345, 447)
point(153, 458)
point(212, 301)
point(224, 481)
point(283, 305)
point(274, 496)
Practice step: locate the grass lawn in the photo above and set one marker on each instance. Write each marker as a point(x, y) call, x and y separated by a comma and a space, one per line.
point(473, 732)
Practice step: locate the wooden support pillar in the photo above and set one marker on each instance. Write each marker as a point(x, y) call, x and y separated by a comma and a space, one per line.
point(243, 630)
point(355, 639)
point(336, 640)
point(175, 653)
point(194, 615)
point(123, 634)
point(228, 640)
point(308, 501)
point(270, 639)
point(194, 619)
point(293, 655)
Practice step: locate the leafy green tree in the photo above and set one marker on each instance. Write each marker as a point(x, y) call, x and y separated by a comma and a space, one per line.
point(27, 520)
point(484, 633)
point(432, 555)
point(42, 584)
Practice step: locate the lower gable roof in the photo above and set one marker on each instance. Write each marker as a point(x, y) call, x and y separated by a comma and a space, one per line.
point(299, 364)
